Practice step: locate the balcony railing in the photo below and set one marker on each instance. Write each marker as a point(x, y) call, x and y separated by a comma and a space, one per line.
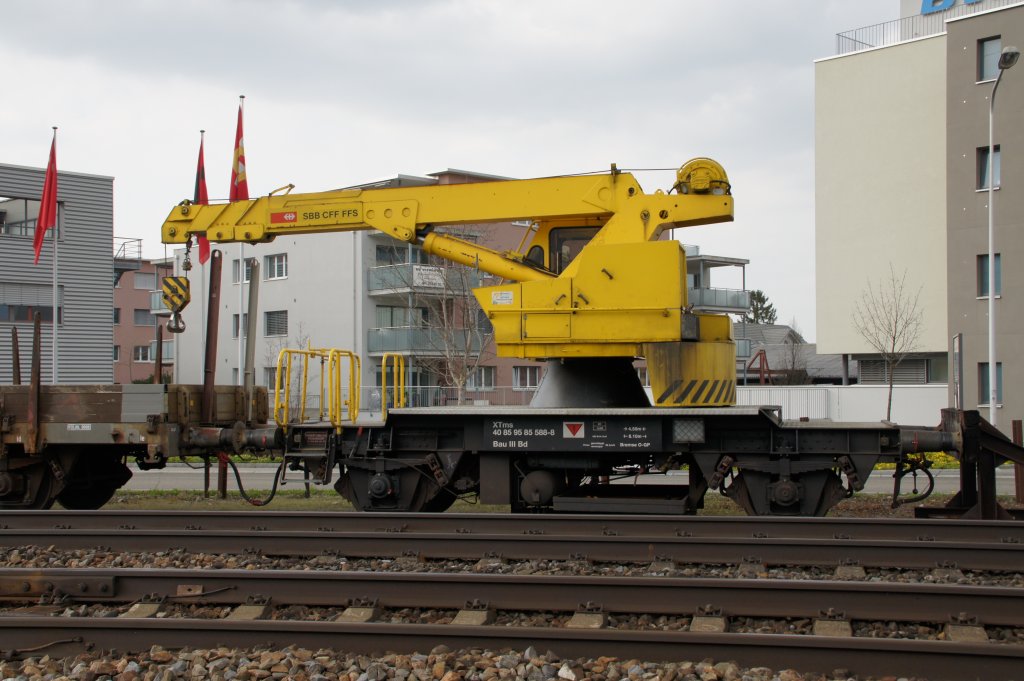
point(436, 396)
point(908, 28)
point(719, 299)
point(421, 279)
point(418, 341)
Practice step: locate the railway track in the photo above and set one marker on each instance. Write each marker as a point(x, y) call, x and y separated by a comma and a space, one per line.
point(652, 525)
point(685, 618)
point(326, 598)
point(905, 544)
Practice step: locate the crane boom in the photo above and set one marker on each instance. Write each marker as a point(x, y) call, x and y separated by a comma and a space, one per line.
point(594, 282)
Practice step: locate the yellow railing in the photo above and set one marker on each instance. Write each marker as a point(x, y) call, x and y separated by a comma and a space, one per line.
point(397, 385)
point(340, 409)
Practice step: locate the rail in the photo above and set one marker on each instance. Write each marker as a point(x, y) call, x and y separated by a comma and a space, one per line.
point(342, 405)
point(923, 552)
point(908, 28)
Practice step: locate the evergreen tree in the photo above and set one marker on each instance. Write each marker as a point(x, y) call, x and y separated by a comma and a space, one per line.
point(761, 311)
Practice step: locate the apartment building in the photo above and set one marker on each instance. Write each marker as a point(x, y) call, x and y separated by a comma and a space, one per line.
point(138, 314)
point(79, 351)
point(901, 151)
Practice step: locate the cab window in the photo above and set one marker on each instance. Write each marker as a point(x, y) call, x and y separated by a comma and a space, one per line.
point(566, 244)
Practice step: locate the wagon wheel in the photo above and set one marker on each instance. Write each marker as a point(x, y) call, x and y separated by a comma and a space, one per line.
point(93, 482)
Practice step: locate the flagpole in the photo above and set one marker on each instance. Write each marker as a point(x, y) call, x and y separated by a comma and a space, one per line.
point(56, 308)
point(241, 271)
point(202, 271)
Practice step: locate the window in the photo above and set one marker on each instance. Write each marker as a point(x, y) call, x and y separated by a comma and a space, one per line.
point(276, 266)
point(145, 281)
point(275, 323)
point(483, 323)
point(983, 389)
point(245, 325)
point(143, 318)
point(983, 167)
point(481, 378)
point(26, 313)
point(566, 244)
point(983, 276)
point(399, 255)
point(117, 315)
point(18, 217)
point(234, 271)
point(525, 378)
point(938, 370)
point(402, 317)
point(141, 353)
point(270, 377)
point(168, 350)
point(117, 353)
point(988, 58)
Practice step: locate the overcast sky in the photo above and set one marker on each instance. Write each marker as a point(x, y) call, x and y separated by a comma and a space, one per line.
point(340, 93)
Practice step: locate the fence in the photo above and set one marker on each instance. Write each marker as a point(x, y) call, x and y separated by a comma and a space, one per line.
point(908, 28)
point(911, 404)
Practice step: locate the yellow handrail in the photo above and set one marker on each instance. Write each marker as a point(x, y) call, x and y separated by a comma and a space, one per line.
point(397, 382)
point(352, 403)
point(339, 410)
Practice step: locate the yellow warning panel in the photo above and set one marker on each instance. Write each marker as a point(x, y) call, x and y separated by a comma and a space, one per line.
point(175, 293)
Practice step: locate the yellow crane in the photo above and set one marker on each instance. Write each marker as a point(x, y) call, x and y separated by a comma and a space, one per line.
point(595, 287)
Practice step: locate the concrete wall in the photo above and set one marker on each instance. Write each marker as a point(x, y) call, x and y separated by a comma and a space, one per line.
point(911, 404)
point(880, 167)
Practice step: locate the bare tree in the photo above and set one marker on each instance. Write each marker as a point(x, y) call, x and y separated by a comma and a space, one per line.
point(442, 304)
point(889, 317)
point(794, 364)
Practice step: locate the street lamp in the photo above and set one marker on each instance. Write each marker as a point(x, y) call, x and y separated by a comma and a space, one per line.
point(1007, 59)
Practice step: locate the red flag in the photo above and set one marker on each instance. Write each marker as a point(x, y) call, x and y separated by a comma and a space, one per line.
point(48, 203)
point(202, 199)
point(239, 190)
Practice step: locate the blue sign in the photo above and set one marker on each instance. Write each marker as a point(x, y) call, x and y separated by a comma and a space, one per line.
point(933, 6)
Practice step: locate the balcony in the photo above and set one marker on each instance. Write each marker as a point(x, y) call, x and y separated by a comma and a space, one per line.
point(725, 300)
point(425, 342)
point(421, 279)
point(127, 256)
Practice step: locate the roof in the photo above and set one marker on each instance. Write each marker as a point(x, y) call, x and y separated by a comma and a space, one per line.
point(767, 334)
point(59, 171)
point(470, 173)
point(786, 356)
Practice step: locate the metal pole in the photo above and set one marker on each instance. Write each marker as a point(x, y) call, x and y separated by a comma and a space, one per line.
point(210, 362)
point(992, 387)
point(210, 365)
point(158, 369)
point(35, 378)
point(56, 299)
point(15, 357)
point(1018, 470)
point(241, 306)
point(250, 336)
